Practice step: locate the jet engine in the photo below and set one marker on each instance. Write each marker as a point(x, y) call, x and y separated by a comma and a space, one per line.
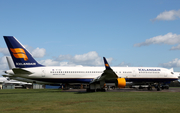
point(120, 83)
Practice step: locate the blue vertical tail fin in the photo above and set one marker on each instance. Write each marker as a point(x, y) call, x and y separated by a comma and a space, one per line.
point(106, 64)
point(21, 57)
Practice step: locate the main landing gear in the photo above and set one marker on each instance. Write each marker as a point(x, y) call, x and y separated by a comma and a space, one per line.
point(149, 88)
point(160, 87)
point(98, 87)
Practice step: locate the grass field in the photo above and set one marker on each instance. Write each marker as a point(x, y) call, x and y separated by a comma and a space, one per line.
point(48, 100)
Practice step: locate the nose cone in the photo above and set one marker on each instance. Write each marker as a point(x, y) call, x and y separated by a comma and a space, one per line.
point(177, 75)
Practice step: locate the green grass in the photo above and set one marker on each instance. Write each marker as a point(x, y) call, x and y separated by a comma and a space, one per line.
point(48, 100)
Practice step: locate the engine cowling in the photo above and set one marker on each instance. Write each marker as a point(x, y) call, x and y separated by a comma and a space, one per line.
point(120, 82)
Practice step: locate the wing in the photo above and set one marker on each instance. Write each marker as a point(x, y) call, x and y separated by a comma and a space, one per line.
point(108, 73)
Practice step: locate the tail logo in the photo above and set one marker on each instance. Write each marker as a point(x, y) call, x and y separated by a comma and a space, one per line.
point(19, 53)
point(107, 65)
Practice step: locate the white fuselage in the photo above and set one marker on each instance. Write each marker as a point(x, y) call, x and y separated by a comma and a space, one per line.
point(87, 74)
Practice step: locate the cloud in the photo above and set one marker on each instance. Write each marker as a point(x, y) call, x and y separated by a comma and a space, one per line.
point(176, 47)
point(168, 15)
point(4, 51)
point(173, 63)
point(64, 57)
point(49, 62)
point(3, 62)
point(38, 52)
point(123, 64)
point(169, 39)
point(88, 59)
point(69, 64)
point(91, 59)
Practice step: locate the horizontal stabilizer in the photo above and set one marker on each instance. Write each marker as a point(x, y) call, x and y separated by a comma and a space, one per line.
point(21, 71)
point(5, 75)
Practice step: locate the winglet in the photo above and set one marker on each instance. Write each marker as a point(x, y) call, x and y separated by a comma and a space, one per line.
point(106, 64)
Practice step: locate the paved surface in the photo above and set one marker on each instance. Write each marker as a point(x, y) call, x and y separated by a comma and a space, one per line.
point(128, 90)
point(145, 90)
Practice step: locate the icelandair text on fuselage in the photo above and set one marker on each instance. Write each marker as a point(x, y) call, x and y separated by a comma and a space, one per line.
point(149, 69)
point(23, 64)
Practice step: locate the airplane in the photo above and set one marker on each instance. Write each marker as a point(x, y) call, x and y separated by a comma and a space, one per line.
point(4, 80)
point(26, 67)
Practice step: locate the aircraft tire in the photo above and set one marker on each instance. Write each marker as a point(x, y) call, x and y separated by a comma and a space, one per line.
point(150, 88)
point(103, 90)
point(158, 89)
point(88, 90)
point(167, 87)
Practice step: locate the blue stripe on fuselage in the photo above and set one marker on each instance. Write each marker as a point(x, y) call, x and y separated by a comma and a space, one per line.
point(62, 80)
point(150, 79)
point(88, 80)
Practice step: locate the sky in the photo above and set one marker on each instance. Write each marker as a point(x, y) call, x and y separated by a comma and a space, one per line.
point(134, 33)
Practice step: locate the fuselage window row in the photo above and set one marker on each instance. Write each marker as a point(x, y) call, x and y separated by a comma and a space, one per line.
point(86, 72)
point(76, 72)
point(149, 72)
point(94, 72)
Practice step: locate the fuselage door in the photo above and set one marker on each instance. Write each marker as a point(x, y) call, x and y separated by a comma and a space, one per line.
point(165, 73)
point(134, 73)
point(43, 73)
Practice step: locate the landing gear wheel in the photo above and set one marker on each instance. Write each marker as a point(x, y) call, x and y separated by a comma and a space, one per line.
point(158, 89)
point(150, 88)
point(167, 87)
